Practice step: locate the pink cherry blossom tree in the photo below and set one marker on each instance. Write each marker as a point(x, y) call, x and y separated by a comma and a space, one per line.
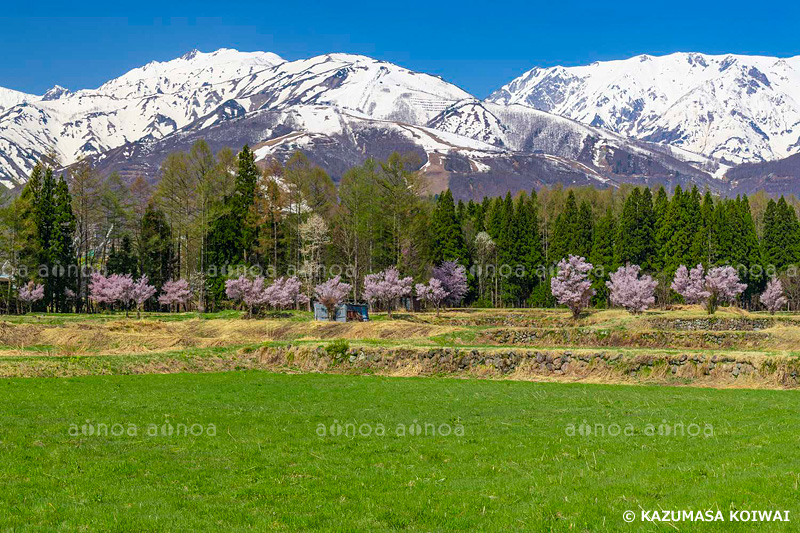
point(124, 286)
point(723, 286)
point(571, 286)
point(631, 291)
point(331, 294)
point(691, 284)
point(453, 278)
point(384, 288)
point(139, 292)
point(30, 293)
point(433, 293)
point(174, 293)
point(285, 293)
point(250, 292)
point(719, 285)
point(108, 290)
point(100, 290)
point(772, 298)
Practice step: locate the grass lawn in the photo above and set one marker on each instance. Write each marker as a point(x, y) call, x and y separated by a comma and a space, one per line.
point(515, 467)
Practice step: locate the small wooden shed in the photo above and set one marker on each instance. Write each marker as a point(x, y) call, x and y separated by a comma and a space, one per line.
point(344, 313)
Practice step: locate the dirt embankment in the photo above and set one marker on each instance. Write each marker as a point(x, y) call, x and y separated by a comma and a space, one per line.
point(741, 371)
point(589, 366)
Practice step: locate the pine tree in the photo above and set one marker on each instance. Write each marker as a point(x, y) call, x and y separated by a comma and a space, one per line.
point(660, 208)
point(680, 229)
point(157, 258)
point(635, 242)
point(531, 254)
point(507, 247)
point(243, 197)
point(771, 245)
point(707, 239)
point(646, 231)
point(447, 241)
point(780, 243)
point(586, 229)
point(566, 231)
point(749, 252)
point(626, 245)
point(602, 256)
point(64, 272)
point(122, 259)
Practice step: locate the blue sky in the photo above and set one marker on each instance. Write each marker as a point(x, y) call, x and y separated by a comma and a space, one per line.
point(476, 45)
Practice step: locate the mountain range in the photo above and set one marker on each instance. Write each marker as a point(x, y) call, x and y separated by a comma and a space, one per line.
point(720, 122)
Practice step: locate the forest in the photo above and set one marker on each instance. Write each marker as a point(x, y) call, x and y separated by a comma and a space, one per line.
point(213, 217)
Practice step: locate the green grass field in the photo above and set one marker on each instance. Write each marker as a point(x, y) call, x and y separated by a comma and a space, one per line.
point(516, 467)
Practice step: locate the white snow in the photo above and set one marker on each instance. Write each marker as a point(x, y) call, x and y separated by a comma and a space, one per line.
point(732, 107)
point(162, 97)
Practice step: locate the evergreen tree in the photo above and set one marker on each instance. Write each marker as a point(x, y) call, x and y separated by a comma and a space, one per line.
point(602, 256)
point(64, 271)
point(494, 217)
point(531, 253)
point(646, 231)
point(781, 240)
point(660, 208)
point(770, 239)
point(157, 258)
point(626, 245)
point(507, 247)
point(447, 241)
point(708, 232)
point(679, 230)
point(567, 231)
point(748, 253)
point(243, 197)
point(586, 223)
point(122, 259)
point(635, 242)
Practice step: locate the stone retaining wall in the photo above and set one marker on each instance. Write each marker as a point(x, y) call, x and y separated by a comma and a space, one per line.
point(599, 366)
point(713, 324)
point(601, 337)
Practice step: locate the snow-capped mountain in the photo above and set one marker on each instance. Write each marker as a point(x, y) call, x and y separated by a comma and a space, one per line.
point(10, 98)
point(147, 102)
point(730, 107)
point(335, 138)
point(158, 99)
point(341, 108)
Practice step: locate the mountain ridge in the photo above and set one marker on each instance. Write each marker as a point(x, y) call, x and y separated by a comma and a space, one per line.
point(734, 108)
point(340, 108)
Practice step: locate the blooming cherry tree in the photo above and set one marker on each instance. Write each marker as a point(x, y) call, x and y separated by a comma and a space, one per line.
point(719, 285)
point(723, 285)
point(250, 292)
point(384, 288)
point(691, 284)
point(30, 293)
point(433, 293)
point(108, 290)
point(175, 293)
point(772, 298)
point(453, 278)
point(331, 294)
point(139, 293)
point(571, 286)
point(285, 293)
point(630, 290)
point(123, 285)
